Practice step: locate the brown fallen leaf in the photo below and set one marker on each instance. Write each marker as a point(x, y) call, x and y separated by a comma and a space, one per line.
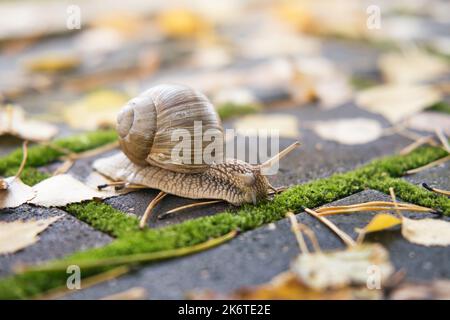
point(17, 235)
point(15, 194)
point(396, 66)
point(100, 107)
point(427, 232)
point(435, 290)
point(136, 293)
point(338, 269)
point(63, 189)
point(396, 102)
point(13, 121)
point(349, 131)
point(286, 286)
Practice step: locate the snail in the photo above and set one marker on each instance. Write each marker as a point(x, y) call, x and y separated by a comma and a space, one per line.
point(145, 126)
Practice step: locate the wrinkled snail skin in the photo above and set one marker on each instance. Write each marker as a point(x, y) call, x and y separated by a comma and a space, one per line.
point(145, 126)
point(234, 181)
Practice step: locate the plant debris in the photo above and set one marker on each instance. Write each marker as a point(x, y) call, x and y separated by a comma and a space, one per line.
point(17, 235)
point(349, 131)
point(13, 121)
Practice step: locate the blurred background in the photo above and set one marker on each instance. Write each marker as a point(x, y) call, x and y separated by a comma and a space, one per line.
point(68, 66)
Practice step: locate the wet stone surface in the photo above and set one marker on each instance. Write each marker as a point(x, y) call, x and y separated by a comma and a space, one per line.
point(63, 237)
point(238, 262)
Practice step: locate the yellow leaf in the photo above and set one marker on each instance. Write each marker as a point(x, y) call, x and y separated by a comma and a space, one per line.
point(52, 63)
point(381, 222)
point(181, 23)
point(99, 108)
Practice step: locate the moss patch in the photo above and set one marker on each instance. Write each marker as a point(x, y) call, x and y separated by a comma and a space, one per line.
point(442, 106)
point(105, 218)
point(40, 155)
point(379, 174)
point(230, 110)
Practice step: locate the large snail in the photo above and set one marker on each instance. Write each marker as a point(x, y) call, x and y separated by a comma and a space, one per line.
point(145, 126)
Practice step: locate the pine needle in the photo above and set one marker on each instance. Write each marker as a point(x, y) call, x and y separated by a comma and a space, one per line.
point(135, 258)
point(429, 165)
point(341, 234)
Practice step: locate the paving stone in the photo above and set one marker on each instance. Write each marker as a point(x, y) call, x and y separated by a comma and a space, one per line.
point(304, 164)
point(256, 256)
point(438, 177)
point(63, 237)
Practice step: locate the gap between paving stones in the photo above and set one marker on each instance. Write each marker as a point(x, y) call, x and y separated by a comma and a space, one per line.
point(379, 175)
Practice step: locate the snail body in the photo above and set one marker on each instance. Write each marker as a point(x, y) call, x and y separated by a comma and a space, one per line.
point(145, 125)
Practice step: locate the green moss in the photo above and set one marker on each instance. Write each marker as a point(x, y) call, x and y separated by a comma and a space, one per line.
point(442, 106)
point(29, 176)
point(229, 110)
point(360, 83)
point(105, 218)
point(378, 174)
point(40, 155)
point(414, 194)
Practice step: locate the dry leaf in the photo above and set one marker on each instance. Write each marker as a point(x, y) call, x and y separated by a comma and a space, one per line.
point(181, 23)
point(319, 78)
point(339, 269)
point(17, 235)
point(380, 222)
point(397, 101)
point(53, 62)
point(286, 286)
point(397, 66)
point(430, 121)
point(427, 232)
point(436, 290)
point(286, 125)
point(349, 131)
point(97, 109)
point(136, 293)
point(13, 121)
point(15, 194)
point(63, 189)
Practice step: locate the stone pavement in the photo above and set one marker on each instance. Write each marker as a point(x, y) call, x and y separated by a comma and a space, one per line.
point(255, 256)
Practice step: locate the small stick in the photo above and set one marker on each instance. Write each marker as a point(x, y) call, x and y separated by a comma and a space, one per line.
point(118, 185)
point(312, 237)
point(413, 146)
point(341, 234)
point(136, 293)
point(94, 152)
point(150, 207)
point(370, 203)
point(86, 283)
point(64, 167)
point(188, 206)
point(298, 233)
point(134, 258)
point(351, 210)
point(440, 191)
point(279, 156)
point(430, 165)
point(394, 200)
point(24, 160)
point(440, 134)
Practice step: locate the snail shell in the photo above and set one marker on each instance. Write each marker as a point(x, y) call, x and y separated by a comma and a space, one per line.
point(146, 125)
